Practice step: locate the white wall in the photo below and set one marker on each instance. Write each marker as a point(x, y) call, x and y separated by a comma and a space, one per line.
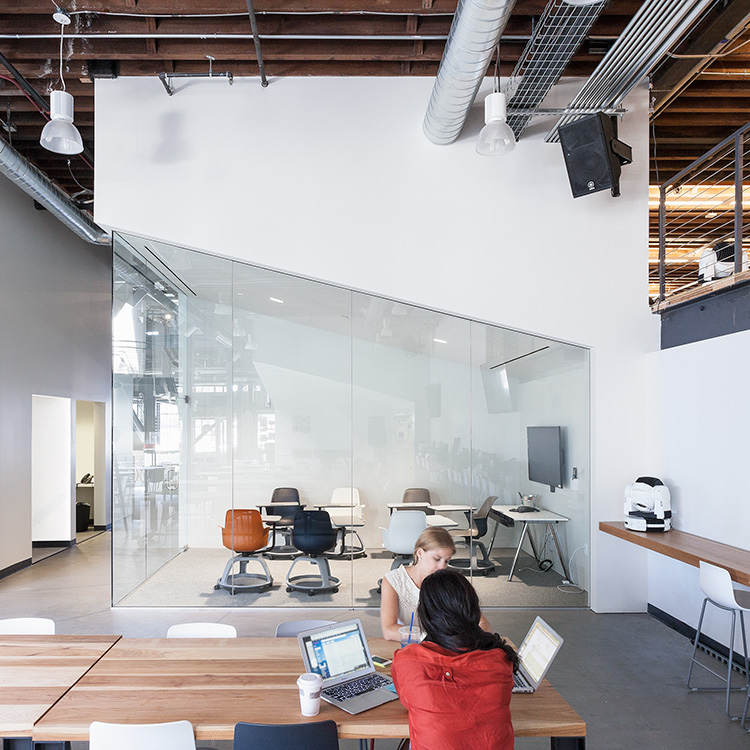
point(51, 470)
point(706, 447)
point(333, 179)
point(55, 338)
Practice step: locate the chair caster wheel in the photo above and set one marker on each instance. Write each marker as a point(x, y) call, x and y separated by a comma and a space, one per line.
point(289, 589)
point(380, 591)
point(311, 593)
point(216, 587)
point(335, 591)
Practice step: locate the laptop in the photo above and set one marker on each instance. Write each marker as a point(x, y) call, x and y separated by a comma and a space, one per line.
point(539, 648)
point(340, 655)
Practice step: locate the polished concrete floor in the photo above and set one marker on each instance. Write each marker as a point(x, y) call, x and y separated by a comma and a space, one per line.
point(624, 674)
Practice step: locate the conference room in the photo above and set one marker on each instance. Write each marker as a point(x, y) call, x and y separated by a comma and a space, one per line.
point(241, 389)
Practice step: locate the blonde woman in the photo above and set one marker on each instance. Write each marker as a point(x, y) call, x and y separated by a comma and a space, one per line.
point(400, 589)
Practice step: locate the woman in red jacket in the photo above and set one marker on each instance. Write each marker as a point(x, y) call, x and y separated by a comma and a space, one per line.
point(457, 683)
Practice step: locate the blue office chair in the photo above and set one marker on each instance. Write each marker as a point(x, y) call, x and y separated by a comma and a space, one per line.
point(317, 735)
point(313, 534)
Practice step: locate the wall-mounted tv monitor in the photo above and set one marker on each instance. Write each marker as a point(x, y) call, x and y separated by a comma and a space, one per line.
point(546, 459)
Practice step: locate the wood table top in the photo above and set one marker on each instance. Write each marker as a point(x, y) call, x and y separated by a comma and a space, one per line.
point(214, 683)
point(37, 670)
point(687, 548)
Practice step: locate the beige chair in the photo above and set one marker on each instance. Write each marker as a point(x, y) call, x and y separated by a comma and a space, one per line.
point(27, 626)
point(348, 513)
point(291, 628)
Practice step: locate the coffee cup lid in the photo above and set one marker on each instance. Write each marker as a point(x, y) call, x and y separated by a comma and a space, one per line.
point(310, 678)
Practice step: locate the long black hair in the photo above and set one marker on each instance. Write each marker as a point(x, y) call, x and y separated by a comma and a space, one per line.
point(449, 614)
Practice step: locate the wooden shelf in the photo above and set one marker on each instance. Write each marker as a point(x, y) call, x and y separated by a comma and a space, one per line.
point(686, 548)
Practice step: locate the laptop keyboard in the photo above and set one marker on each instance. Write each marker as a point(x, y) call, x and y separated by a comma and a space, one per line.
point(356, 687)
point(519, 681)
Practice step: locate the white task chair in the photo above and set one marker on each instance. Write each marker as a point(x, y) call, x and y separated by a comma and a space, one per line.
point(402, 533)
point(27, 626)
point(348, 513)
point(291, 628)
point(202, 630)
point(716, 584)
point(173, 735)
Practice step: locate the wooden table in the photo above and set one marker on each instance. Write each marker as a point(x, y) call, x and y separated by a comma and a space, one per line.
point(37, 670)
point(687, 548)
point(214, 683)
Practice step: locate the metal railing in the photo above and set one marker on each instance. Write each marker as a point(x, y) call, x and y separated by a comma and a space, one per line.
point(703, 220)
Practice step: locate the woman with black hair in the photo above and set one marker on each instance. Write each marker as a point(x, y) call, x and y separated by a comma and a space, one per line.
point(457, 683)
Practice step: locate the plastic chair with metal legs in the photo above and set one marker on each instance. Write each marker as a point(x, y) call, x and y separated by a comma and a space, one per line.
point(716, 584)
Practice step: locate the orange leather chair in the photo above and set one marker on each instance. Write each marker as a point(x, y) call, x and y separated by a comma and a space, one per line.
point(244, 534)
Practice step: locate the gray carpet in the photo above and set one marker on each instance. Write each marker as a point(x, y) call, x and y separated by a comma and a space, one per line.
point(188, 581)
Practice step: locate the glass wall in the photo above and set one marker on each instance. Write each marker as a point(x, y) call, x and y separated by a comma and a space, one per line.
point(231, 381)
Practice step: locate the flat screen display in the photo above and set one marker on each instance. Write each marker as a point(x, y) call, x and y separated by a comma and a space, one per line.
point(545, 455)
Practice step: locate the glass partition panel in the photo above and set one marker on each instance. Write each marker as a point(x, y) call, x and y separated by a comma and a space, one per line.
point(237, 386)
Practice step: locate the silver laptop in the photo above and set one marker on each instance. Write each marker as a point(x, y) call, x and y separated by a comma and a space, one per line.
point(340, 655)
point(539, 648)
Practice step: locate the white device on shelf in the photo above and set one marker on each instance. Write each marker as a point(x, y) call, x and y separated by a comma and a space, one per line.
point(648, 506)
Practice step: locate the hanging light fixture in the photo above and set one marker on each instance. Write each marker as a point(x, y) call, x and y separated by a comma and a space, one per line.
point(59, 134)
point(496, 137)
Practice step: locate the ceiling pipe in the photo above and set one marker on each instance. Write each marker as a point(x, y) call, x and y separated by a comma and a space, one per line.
point(475, 32)
point(43, 191)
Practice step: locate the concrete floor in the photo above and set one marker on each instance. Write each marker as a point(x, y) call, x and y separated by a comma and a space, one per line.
point(623, 673)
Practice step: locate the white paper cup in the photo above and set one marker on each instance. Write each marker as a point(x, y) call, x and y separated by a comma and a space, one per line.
point(309, 693)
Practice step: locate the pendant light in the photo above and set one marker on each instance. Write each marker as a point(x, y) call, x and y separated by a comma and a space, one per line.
point(59, 134)
point(496, 137)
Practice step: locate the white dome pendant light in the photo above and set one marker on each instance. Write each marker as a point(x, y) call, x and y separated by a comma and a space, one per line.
point(59, 134)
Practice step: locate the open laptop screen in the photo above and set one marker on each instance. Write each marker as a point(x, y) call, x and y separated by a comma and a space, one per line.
point(337, 651)
point(538, 649)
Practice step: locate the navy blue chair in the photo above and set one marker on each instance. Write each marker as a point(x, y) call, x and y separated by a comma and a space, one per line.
point(312, 535)
point(319, 735)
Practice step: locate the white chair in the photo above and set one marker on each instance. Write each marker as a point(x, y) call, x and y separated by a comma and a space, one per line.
point(402, 533)
point(202, 630)
point(173, 735)
point(291, 628)
point(716, 584)
point(27, 626)
point(348, 513)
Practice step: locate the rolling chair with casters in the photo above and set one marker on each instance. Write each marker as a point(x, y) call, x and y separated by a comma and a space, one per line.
point(202, 630)
point(348, 513)
point(315, 735)
point(471, 535)
point(291, 628)
point(312, 534)
point(716, 584)
point(244, 534)
point(417, 495)
point(173, 735)
point(27, 626)
point(401, 535)
point(285, 549)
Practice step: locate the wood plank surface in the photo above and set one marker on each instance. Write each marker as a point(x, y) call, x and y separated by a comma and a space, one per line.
point(687, 548)
point(36, 670)
point(214, 683)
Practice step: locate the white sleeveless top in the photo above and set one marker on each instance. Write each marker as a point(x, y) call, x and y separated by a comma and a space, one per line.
point(408, 595)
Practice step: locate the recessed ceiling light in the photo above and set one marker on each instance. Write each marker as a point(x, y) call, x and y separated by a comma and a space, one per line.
point(711, 215)
point(276, 299)
point(152, 333)
point(440, 341)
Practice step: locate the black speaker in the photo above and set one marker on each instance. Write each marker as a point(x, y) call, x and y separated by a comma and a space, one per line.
point(593, 155)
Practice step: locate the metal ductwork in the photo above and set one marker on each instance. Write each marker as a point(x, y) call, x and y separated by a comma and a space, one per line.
point(654, 29)
point(476, 30)
point(43, 191)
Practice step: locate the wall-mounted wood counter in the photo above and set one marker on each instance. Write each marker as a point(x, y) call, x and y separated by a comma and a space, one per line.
point(687, 548)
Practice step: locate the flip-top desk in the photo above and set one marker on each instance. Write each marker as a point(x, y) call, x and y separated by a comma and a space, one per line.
point(504, 514)
point(214, 683)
